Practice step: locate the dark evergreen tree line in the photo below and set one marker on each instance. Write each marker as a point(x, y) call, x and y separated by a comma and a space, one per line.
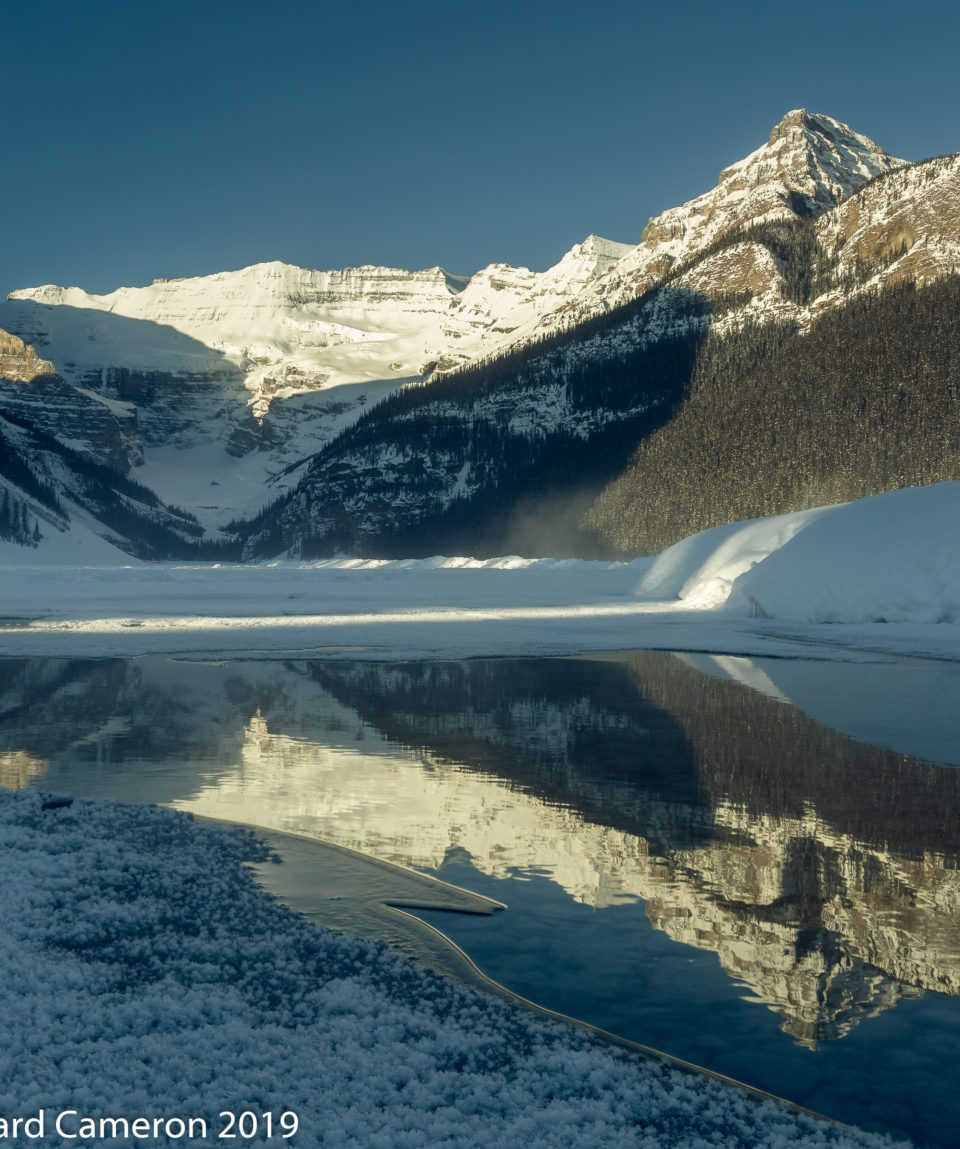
point(17, 525)
point(383, 487)
point(867, 400)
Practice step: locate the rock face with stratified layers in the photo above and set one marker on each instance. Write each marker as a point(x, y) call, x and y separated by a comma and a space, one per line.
point(19, 361)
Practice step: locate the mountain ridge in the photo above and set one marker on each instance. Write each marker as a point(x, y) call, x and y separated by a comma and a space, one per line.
point(233, 378)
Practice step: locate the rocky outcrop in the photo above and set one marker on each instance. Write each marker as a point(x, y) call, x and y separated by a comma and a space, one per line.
point(30, 389)
point(747, 270)
point(903, 227)
point(19, 361)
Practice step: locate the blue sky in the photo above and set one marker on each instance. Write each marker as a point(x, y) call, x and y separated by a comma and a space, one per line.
point(183, 138)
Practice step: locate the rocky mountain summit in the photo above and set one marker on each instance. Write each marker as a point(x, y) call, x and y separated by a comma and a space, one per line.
point(810, 164)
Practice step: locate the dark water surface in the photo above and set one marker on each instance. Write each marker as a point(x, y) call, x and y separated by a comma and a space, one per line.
point(751, 864)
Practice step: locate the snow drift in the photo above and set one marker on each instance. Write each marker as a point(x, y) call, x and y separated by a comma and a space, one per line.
point(893, 557)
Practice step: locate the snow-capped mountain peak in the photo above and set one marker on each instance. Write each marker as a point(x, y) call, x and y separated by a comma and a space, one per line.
point(812, 156)
point(810, 163)
point(288, 330)
point(587, 260)
point(272, 361)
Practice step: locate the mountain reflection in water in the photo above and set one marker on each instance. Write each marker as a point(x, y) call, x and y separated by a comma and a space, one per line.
point(823, 872)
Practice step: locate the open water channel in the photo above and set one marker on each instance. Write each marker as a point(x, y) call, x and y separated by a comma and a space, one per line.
point(750, 864)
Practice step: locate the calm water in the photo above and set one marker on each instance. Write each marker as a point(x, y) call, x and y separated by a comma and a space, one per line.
point(750, 864)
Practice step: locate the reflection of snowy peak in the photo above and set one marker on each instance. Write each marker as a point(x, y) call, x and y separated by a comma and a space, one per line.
point(827, 907)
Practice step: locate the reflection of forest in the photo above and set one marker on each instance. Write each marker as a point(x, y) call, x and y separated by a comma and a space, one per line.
point(45, 700)
point(823, 872)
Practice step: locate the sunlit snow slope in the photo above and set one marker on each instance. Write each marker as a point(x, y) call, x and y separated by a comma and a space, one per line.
point(289, 329)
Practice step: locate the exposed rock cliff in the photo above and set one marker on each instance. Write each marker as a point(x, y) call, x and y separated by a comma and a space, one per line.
point(903, 227)
point(31, 389)
point(18, 360)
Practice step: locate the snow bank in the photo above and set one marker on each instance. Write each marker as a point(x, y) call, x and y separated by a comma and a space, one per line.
point(889, 558)
point(145, 975)
point(702, 569)
point(893, 557)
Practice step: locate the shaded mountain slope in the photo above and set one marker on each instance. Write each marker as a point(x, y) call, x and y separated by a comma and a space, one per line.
point(450, 465)
point(867, 400)
point(46, 488)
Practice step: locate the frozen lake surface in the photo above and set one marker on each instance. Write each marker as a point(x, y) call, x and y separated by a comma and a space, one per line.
point(749, 863)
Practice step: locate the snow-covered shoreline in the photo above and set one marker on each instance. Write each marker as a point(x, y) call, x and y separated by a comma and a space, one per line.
point(147, 977)
point(878, 575)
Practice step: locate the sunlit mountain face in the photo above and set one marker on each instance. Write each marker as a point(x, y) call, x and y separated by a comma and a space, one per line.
point(821, 872)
